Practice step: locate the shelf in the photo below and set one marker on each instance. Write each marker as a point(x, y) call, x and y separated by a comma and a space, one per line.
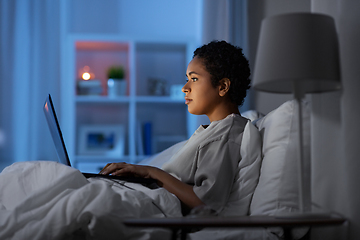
point(102, 99)
point(126, 99)
point(155, 74)
point(158, 99)
point(101, 45)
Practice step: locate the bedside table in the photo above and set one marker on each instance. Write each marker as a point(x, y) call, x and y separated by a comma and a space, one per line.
point(185, 224)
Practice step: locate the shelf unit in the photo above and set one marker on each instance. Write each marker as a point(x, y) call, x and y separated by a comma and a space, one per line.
point(143, 60)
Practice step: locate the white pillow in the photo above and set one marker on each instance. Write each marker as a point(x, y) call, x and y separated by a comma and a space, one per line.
point(277, 190)
point(159, 159)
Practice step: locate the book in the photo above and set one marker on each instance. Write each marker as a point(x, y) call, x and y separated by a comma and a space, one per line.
point(139, 139)
point(147, 138)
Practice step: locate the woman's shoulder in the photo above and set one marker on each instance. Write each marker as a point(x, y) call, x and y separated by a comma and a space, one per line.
point(236, 128)
point(234, 123)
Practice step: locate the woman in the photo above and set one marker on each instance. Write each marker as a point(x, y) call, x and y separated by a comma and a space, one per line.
point(203, 171)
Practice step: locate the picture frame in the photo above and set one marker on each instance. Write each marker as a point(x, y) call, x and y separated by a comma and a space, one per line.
point(104, 140)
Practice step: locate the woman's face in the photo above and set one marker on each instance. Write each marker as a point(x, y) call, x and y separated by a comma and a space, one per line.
point(200, 95)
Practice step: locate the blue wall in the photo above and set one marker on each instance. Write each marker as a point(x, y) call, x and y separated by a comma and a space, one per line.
point(155, 18)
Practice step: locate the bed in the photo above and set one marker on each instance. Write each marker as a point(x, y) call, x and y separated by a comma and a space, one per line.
point(53, 201)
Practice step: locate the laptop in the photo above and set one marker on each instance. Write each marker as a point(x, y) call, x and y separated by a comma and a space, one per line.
point(63, 156)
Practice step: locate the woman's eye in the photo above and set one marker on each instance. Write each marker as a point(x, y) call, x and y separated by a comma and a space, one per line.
point(192, 79)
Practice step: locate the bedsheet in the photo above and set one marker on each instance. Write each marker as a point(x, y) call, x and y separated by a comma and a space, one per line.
point(47, 200)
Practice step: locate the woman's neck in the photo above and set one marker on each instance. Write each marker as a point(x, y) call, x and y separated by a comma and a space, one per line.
point(223, 112)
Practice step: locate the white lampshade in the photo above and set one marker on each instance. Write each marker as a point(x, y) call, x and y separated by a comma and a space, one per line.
point(300, 48)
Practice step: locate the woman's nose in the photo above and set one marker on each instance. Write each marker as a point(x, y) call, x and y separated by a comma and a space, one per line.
point(185, 88)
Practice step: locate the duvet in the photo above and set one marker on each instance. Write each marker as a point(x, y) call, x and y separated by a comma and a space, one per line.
point(47, 200)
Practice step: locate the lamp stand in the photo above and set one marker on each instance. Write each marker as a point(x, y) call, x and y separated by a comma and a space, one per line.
point(304, 168)
point(303, 163)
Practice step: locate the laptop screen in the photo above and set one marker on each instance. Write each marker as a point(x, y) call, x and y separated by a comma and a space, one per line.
point(55, 130)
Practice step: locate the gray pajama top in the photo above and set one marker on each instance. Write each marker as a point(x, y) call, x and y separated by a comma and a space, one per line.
point(209, 160)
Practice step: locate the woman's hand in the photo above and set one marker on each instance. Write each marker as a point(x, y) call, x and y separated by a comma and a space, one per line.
point(182, 190)
point(125, 169)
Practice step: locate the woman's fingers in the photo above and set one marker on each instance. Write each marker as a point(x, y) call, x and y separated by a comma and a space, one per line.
point(112, 167)
point(123, 169)
point(103, 170)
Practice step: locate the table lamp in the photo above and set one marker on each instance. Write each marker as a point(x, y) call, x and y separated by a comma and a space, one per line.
point(298, 53)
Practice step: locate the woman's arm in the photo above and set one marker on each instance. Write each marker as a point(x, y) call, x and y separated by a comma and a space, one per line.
point(182, 191)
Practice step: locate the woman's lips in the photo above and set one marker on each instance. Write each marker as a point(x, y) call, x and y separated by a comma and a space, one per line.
point(187, 100)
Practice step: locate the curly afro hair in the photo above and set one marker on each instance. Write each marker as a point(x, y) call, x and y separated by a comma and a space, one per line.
point(223, 60)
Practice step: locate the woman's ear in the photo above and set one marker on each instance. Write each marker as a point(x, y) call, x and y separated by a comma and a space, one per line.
point(224, 86)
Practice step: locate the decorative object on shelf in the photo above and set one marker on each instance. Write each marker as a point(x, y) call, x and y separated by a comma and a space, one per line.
point(87, 85)
point(176, 92)
point(106, 140)
point(139, 139)
point(157, 87)
point(116, 81)
point(298, 53)
point(86, 74)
